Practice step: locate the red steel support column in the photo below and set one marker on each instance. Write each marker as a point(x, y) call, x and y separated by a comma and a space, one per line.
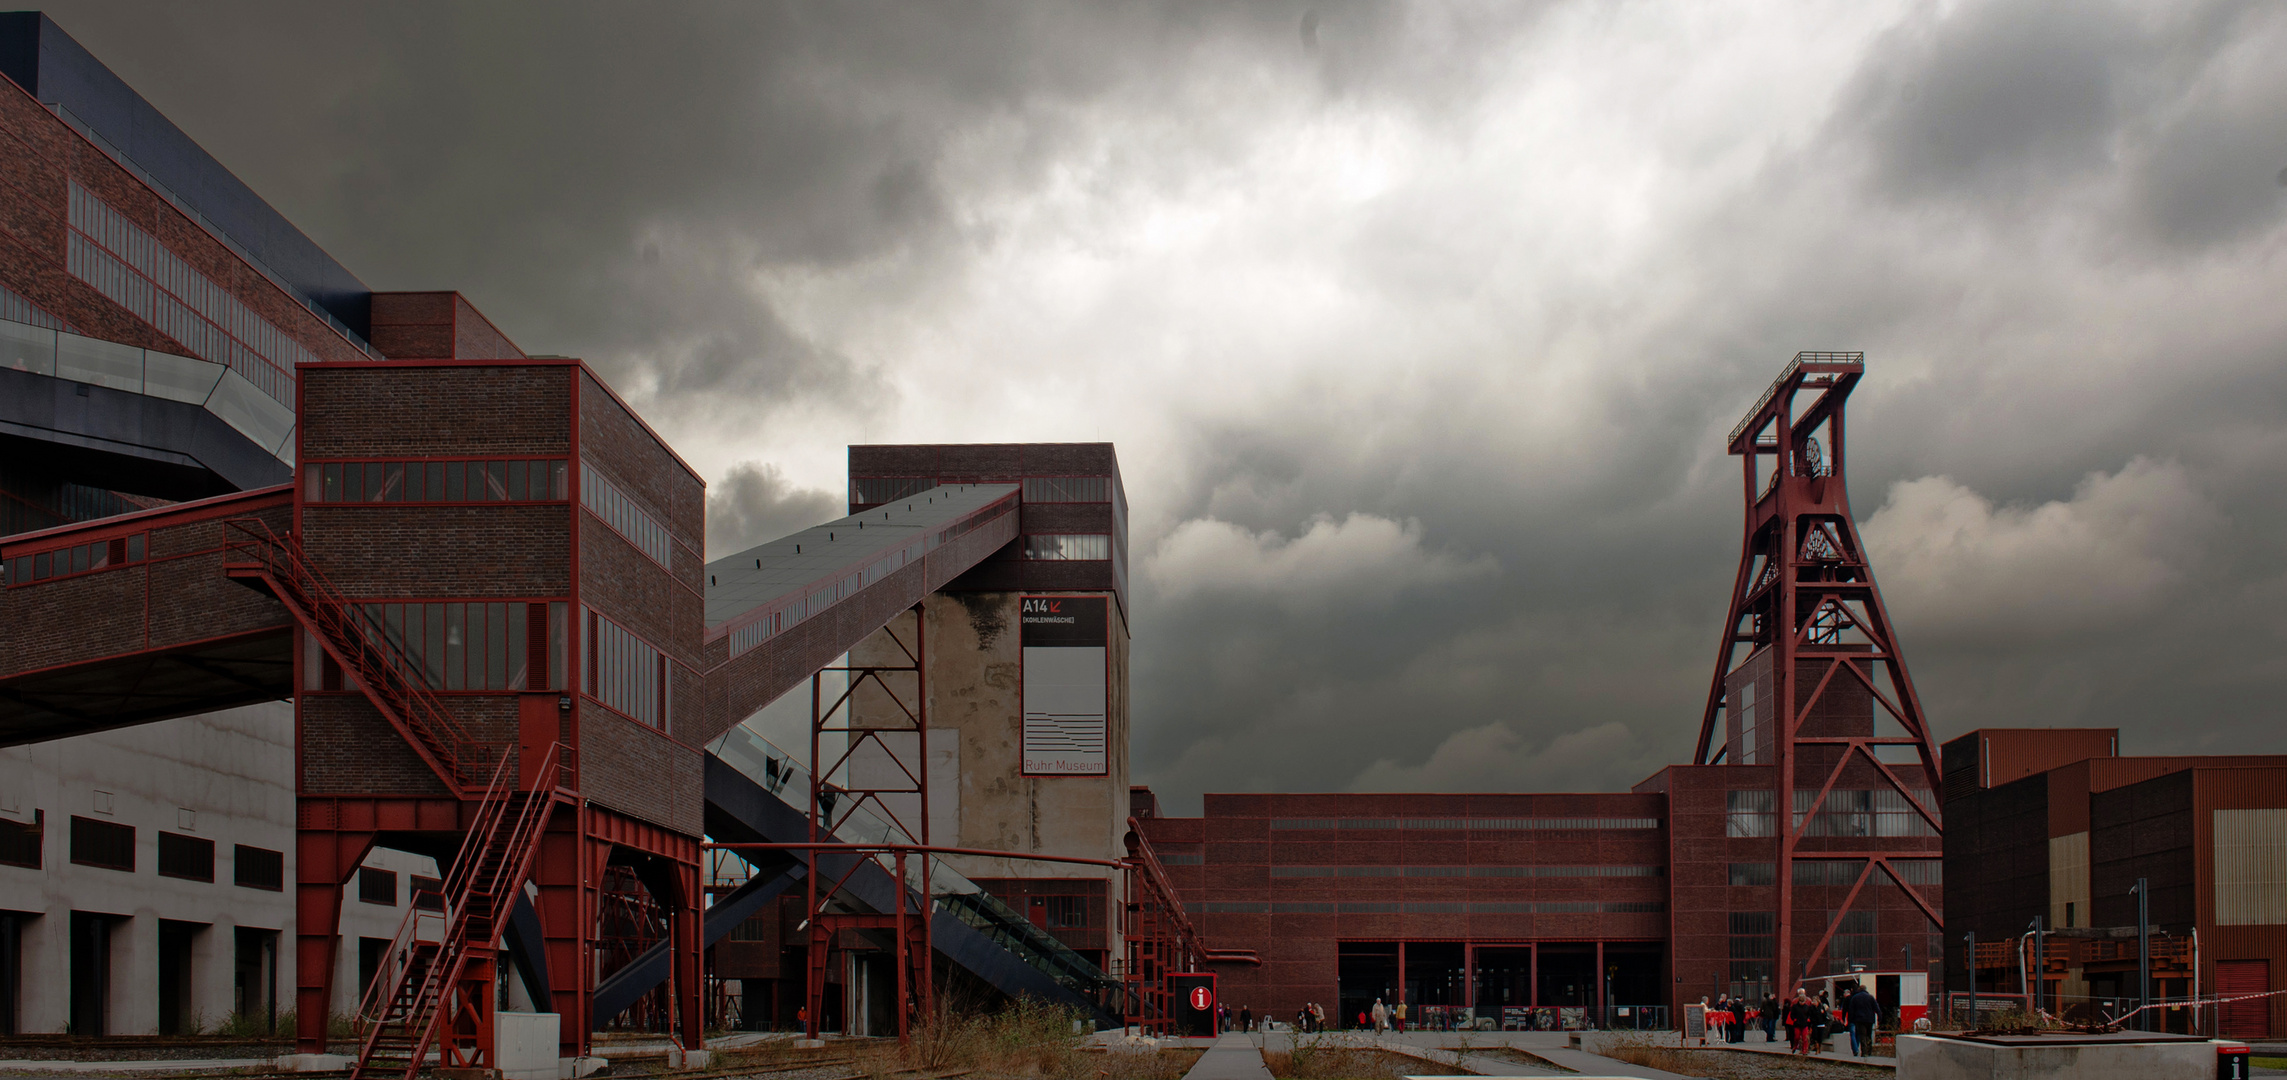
point(557, 873)
point(323, 862)
point(686, 959)
point(1603, 991)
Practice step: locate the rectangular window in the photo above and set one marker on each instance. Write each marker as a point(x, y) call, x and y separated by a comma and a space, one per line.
point(84, 558)
point(377, 886)
point(1751, 813)
point(187, 857)
point(464, 646)
point(1068, 547)
point(1753, 873)
point(1060, 489)
point(1068, 912)
point(20, 841)
point(102, 843)
point(426, 893)
point(625, 672)
point(1853, 939)
point(608, 503)
point(258, 868)
point(535, 480)
point(1879, 812)
point(1748, 749)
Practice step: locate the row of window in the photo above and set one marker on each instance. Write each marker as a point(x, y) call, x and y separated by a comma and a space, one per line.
point(1467, 871)
point(1878, 812)
point(377, 886)
point(78, 559)
point(14, 308)
point(131, 267)
point(874, 490)
point(507, 480)
point(110, 845)
point(626, 672)
point(1839, 872)
point(608, 502)
point(1470, 824)
point(1068, 547)
point(1545, 907)
point(502, 645)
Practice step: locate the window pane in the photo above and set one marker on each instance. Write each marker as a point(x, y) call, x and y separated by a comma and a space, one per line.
point(373, 490)
point(517, 656)
point(456, 646)
point(79, 559)
point(41, 568)
point(517, 471)
point(415, 491)
point(556, 668)
point(433, 656)
point(556, 488)
point(495, 480)
point(393, 482)
point(496, 651)
point(454, 491)
point(436, 472)
point(135, 548)
point(352, 483)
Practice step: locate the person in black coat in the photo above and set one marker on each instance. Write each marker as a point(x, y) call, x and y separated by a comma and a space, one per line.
point(1862, 1011)
point(1770, 1017)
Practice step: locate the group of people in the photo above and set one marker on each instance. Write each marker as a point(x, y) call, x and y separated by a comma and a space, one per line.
point(1807, 1019)
point(1384, 1017)
point(1245, 1019)
point(1310, 1018)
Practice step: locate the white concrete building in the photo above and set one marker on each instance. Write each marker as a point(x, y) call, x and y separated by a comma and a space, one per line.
point(146, 880)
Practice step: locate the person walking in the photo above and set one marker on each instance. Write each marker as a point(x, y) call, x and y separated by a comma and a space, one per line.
point(1770, 1017)
point(1398, 1017)
point(1381, 1016)
point(1317, 1017)
point(1246, 1019)
point(1861, 1010)
point(1802, 1012)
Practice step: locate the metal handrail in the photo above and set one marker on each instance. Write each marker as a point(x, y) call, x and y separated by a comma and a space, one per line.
point(376, 665)
point(1792, 367)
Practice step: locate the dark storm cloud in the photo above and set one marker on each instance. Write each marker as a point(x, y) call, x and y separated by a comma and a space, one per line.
point(753, 502)
point(1419, 326)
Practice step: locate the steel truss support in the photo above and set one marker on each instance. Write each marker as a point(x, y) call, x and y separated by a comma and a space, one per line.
point(887, 775)
point(1805, 594)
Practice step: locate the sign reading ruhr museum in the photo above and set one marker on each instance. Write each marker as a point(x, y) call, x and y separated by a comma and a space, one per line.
point(1065, 639)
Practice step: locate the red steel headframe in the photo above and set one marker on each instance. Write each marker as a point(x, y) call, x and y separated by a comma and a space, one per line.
point(1806, 591)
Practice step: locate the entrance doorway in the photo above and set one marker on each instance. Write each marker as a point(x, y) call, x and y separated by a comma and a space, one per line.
point(177, 1002)
point(90, 972)
point(254, 976)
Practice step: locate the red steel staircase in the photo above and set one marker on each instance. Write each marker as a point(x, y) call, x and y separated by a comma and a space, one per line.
point(437, 989)
point(439, 993)
point(255, 553)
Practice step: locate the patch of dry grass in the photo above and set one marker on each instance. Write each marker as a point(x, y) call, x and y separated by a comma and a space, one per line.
point(1311, 1059)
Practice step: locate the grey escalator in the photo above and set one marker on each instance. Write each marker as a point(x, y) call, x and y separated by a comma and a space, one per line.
point(969, 927)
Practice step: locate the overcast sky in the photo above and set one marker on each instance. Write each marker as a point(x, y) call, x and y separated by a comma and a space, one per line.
point(1418, 326)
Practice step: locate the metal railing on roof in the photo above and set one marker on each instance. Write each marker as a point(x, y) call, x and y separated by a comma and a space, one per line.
point(1793, 366)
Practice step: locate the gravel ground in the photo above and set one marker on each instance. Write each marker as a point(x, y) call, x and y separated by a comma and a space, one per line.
point(71, 1050)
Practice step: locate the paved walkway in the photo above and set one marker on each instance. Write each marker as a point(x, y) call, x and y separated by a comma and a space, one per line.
point(1233, 1057)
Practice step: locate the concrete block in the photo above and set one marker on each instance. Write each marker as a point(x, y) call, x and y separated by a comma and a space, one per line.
point(312, 1062)
point(679, 1058)
point(576, 1068)
point(809, 1044)
point(2126, 1056)
point(524, 1045)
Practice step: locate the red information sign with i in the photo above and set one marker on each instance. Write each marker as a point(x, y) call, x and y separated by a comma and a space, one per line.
point(1202, 998)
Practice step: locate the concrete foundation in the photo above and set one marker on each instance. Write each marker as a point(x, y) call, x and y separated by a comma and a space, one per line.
point(524, 1045)
point(2126, 1056)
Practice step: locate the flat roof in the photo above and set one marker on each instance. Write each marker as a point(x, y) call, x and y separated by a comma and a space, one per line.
point(771, 571)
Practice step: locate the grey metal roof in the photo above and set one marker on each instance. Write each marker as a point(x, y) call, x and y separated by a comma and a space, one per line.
point(754, 578)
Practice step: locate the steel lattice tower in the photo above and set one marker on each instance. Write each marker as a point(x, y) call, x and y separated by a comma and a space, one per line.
point(1823, 675)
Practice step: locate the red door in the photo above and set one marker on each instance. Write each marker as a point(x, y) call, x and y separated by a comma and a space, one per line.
point(2244, 1019)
